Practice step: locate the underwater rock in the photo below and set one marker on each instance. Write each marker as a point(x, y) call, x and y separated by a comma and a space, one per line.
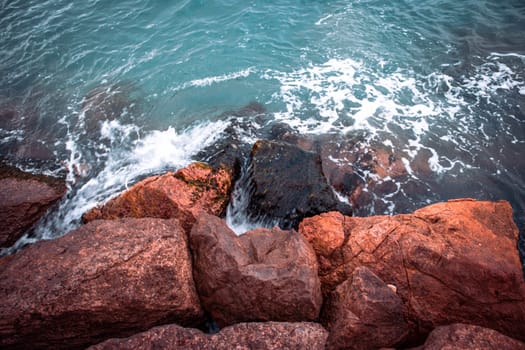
point(267, 336)
point(9, 116)
point(450, 262)
point(467, 337)
point(262, 275)
point(180, 195)
point(363, 313)
point(105, 279)
point(106, 103)
point(24, 199)
point(289, 185)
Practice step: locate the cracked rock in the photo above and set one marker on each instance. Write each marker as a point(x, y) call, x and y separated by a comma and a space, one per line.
point(181, 195)
point(452, 262)
point(262, 275)
point(105, 279)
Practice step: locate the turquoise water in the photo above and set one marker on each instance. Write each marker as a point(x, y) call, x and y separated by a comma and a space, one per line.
point(440, 77)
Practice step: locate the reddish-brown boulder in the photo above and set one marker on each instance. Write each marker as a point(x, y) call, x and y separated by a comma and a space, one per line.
point(363, 313)
point(467, 337)
point(105, 279)
point(450, 262)
point(242, 336)
point(24, 199)
point(262, 275)
point(180, 195)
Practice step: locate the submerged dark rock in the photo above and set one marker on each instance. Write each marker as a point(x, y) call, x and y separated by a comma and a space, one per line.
point(107, 103)
point(289, 185)
point(232, 149)
point(24, 199)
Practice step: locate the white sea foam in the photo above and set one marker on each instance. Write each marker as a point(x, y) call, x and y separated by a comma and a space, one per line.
point(402, 109)
point(348, 96)
point(323, 19)
point(157, 151)
point(207, 81)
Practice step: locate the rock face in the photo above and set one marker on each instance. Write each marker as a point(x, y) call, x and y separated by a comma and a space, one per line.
point(24, 199)
point(289, 185)
point(180, 195)
point(263, 275)
point(468, 337)
point(105, 279)
point(450, 262)
point(242, 336)
point(364, 313)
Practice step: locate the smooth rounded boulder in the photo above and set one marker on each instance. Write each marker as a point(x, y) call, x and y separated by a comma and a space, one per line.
point(105, 279)
point(451, 262)
point(262, 275)
point(242, 336)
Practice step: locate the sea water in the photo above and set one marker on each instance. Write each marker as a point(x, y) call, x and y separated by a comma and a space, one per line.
point(437, 77)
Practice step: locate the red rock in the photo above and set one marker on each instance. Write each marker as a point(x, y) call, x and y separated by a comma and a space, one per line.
point(242, 336)
point(262, 275)
point(180, 195)
point(24, 199)
point(105, 279)
point(450, 262)
point(467, 337)
point(364, 313)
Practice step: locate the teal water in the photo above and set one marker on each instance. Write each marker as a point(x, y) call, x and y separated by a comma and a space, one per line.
point(439, 77)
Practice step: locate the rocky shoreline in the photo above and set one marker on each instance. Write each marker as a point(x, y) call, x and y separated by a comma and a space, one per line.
point(158, 267)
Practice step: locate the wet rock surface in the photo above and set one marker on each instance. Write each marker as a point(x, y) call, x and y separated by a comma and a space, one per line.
point(180, 195)
point(234, 148)
point(262, 275)
point(24, 199)
point(105, 279)
point(468, 337)
point(243, 336)
point(289, 185)
point(450, 262)
point(364, 313)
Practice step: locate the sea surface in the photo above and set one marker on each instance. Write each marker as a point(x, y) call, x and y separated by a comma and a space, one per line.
point(108, 92)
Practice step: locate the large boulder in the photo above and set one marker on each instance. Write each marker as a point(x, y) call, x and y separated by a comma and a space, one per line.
point(105, 279)
point(289, 185)
point(450, 262)
point(467, 337)
point(24, 199)
point(180, 195)
point(364, 313)
point(242, 336)
point(262, 275)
